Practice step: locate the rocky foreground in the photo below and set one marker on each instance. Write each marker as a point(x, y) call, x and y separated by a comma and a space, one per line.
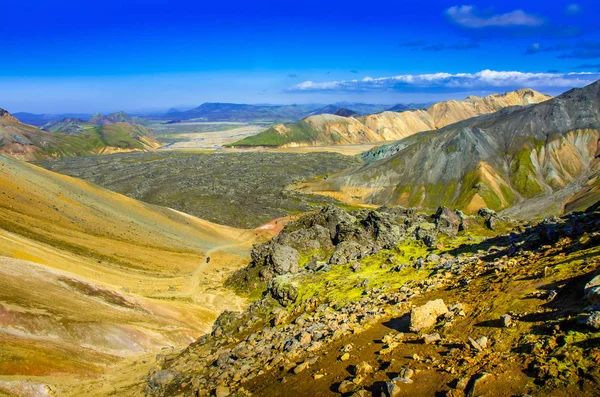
point(394, 302)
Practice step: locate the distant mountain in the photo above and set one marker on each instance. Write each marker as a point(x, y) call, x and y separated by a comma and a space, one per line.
point(362, 108)
point(401, 107)
point(74, 126)
point(387, 126)
point(28, 142)
point(346, 112)
point(531, 160)
point(117, 117)
point(329, 109)
point(244, 113)
point(41, 119)
point(71, 126)
point(334, 109)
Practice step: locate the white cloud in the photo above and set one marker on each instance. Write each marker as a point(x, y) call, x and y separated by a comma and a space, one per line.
point(573, 9)
point(483, 80)
point(468, 17)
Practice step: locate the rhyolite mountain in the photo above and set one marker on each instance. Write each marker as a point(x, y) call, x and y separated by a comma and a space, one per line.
point(532, 160)
point(27, 142)
point(319, 130)
point(77, 125)
point(91, 277)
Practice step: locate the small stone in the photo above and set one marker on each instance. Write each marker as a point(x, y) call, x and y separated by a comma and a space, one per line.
point(546, 271)
point(357, 380)
point(392, 389)
point(346, 386)
point(474, 384)
point(551, 295)
point(462, 383)
point(480, 344)
point(347, 348)
point(406, 373)
point(280, 317)
point(301, 367)
point(305, 339)
point(345, 357)
point(429, 339)
point(482, 341)
point(318, 376)
point(426, 316)
point(222, 391)
point(506, 320)
point(363, 368)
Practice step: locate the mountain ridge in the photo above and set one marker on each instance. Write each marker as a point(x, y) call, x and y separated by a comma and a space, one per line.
point(28, 142)
point(388, 125)
point(496, 160)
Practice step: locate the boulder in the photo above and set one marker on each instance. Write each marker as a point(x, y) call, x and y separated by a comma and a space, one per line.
point(446, 221)
point(161, 378)
point(506, 320)
point(592, 291)
point(284, 259)
point(283, 289)
point(489, 216)
point(592, 320)
point(346, 252)
point(425, 316)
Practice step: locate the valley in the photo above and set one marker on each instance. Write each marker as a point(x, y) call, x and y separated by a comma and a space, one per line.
point(243, 189)
point(202, 135)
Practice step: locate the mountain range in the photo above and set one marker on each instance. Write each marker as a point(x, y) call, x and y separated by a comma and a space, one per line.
point(323, 129)
point(40, 119)
point(232, 112)
point(76, 125)
point(27, 142)
point(534, 160)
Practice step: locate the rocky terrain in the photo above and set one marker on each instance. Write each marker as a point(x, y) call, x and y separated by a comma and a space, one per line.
point(446, 304)
point(533, 160)
point(27, 142)
point(331, 129)
point(236, 189)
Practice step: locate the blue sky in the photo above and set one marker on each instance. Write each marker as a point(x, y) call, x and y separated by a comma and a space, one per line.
point(66, 56)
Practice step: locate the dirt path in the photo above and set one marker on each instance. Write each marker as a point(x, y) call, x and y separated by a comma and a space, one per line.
point(194, 282)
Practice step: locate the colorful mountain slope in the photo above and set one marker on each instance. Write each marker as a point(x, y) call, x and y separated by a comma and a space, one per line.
point(90, 276)
point(320, 130)
point(538, 157)
point(27, 142)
